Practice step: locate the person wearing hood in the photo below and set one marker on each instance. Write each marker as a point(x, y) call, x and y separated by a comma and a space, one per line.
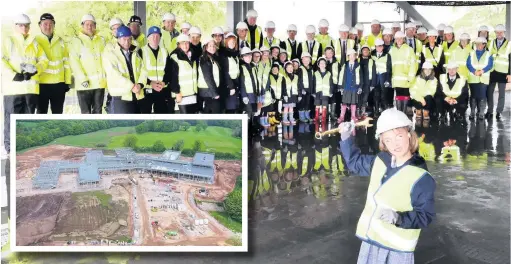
point(322, 91)
point(368, 68)
point(181, 76)
point(382, 86)
point(351, 81)
point(255, 33)
point(479, 64)
point(305, 78)
point(423, 90)
point(229, 62)
point(125, 74)
point(249, 84)
point(210, 78)
point(275, 86)
point(401, 193)
point(290, 94)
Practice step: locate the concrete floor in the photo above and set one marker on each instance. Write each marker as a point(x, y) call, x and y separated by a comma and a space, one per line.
point(311, 226)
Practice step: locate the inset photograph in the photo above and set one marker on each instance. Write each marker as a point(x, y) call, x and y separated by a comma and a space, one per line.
point(131, 183)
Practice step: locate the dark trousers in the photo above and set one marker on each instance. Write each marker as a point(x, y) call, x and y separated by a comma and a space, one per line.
point(91, 101)
point(501, 98)
point(156, 101)
point(16, 104)
point(460, 108)
point(171, 105)
point(188, 109)
point(429, 103)
point(304, 104)
point(250, 109)
point(119, 106)
point(53, 94)
point(212, 106)
point(364, 96)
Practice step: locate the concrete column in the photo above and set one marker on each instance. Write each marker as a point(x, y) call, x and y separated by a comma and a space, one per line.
point(350, 13)
point(140, 10)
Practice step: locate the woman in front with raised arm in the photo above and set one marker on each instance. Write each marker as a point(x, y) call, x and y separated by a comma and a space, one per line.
point(400, 198)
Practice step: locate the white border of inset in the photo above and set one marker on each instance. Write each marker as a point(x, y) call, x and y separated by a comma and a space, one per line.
point(244, 238)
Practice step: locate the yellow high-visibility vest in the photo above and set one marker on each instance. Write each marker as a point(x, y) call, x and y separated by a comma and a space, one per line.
point(315, 50)
point(369, 40)
point(169, 42)
point(85, 59)
point(432, 58)
point(276, 85)
point(325, 41)
point(305, 77)
point(323, 83)
point(350, 44)
point(322, 158)
point(58, 70)
point(250, 89)
point(404, 66)
point(16, 50)
point(257, 35)
point(479, 65)
point(449, 51)
point(460, 56)
point(187, 76)
point(267, 43)
point(395, 195)
point(155, 66)
point(234, 67)
point(216, 77)
point(291, 85)
point(501, 56)
point(263, 73)
point(422, 88)
point(289, 50)
point(381, 63)
point(118, 75)
point(456, 89)
point(140, 41)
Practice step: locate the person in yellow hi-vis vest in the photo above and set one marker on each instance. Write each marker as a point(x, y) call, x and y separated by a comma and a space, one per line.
point(422, 35)
point(210, 78)
point(270, 39)
point(401, 194)
point(313, 47)
point(23, 61)
point(290, 44)
point(169, 33)
point(479, 64)
point(154, 55)
point(181, 76)
point(433, 53)
point(255, 33)
point(450, 43)
point(375, 34)
point(323, 37)
point(55, 80)
point(85, 59)
point(125, 74)
point(412, 41)
point(404, 68)
point(454, 94)
point(423, 91)
point(134, 24)
point(342, 44)
point(501, 74)
point(114, 24)
point(460, 54)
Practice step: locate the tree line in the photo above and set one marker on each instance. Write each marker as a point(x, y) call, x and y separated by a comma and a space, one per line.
point(179, 125)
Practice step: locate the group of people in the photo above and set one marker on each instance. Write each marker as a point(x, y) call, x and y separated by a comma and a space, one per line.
point(252, 71)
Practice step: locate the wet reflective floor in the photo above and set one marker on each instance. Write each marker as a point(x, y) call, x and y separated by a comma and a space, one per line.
point(305, 205)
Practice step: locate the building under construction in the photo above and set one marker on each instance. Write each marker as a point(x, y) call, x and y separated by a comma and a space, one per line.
point(200, 169)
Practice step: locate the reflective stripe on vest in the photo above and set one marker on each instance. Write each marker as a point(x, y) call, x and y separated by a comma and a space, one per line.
point(335, 72)
point(216, 77)
point(248, 80)
point(305, 164)
point(322, 158)
point(393, 194)
point(501, 57)
point(155, 66)
point(305, 77)
point(460, 56)
point(449, 51)
point(291, 85)
point(456, 89)
point(479, 65)
point(187, 76)
point(315, 50)
point(323, 83)
point(402, 67)
point(433, 59)
point(276, 85)
point(234, 67)
point(19, 51)
point(289, 48)
point(257, 35)
point(422, 88)
point(381, 64)
point(263, 73)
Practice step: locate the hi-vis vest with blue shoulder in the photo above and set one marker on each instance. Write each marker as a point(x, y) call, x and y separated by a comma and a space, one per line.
point(187, 76)
point(479, 65)
point(393, 194)
point(155, 66)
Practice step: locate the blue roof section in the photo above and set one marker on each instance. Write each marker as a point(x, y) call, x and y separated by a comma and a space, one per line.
point(95, 162)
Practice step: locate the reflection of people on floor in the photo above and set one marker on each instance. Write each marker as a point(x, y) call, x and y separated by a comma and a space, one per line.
point(477, 157)
point(503, 143)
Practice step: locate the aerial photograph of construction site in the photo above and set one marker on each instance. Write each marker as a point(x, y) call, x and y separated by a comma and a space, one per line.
point(128, 183)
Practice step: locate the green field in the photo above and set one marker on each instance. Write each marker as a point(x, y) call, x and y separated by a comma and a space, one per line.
point(225, 220)
point(216, 139)
point(93, 139)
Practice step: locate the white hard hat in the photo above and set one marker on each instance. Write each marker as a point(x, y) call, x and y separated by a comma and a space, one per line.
point(422, 30)
point(115, 21)
point(350, 51)
point(264, 49)
point(448, 30)
point(365, 46)
point(379, 42)
point(292, 27)
point(296, 60)
point(375, 22)
point(281, 50)
point(432, 33)
point(169, 16)
point(399, 34)
point(452, 65)
point(230, 34)
point(186, 25)
point(306, 54)
point(245, 51)
point(88, 17)
point(252, 13)
point(418, 23)
point(227, 29)
point(500, 27)
point(480, 40)
point(287, 62)
point(195, 30)
point(256, 50)
point(441, 27)
point(183, 38)
point(409, 25)
point(310, 29)
point(483, 28)
point(206, 40)
point(387, 31)
point(354, 31)
point(217, 31)
point(427, 65)
point(359, 27)
point(241, 25)
point(464, 36)
point(392, 119)
point(396, 25)
point(270, 24)
point(344, 28)
point(323, 23)
point(21, 19)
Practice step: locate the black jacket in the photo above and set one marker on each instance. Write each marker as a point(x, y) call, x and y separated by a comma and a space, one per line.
point(310, 73)
point(225, 53)
point(171, 76)
point(439, 68)
point(302, 49)
point(294, 48)
point(251, 31)
point(206, 65)
point(369, 81)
